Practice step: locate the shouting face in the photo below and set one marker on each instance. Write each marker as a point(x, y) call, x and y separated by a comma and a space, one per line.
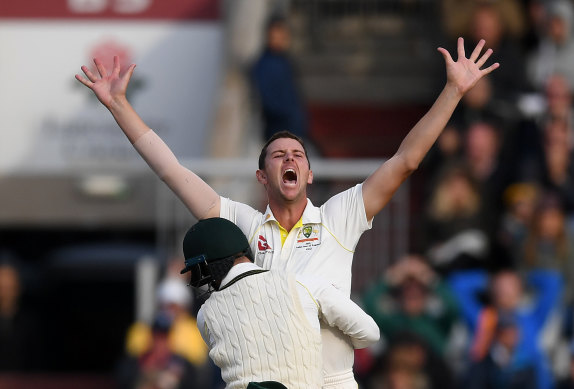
point(286, 172)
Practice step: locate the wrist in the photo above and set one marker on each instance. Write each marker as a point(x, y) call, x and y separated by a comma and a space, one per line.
point(118, 103)
point(453, 91)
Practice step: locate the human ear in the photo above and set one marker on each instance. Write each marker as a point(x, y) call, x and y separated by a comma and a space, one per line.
point(261, 176)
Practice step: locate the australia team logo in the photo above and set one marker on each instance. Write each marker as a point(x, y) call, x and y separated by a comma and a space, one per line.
point(308, 237)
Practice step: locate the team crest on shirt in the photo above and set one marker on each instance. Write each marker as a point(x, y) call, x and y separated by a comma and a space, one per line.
point(307, 237)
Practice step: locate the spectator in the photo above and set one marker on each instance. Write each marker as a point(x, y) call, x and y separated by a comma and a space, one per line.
point(491, 166)
point(489, 22)
point(478, 106)
point(20, 333)
point(555, 52)
point(554, 107)
point(159, 367)
point(552, 165)
point(409, 363)
point(275, 81)
point(558, 95)
point(549, 243)
point(507, 297)
point(503, 367)
point(520, 201)
point(454, 235)
point(183, 337)
point(411, 298)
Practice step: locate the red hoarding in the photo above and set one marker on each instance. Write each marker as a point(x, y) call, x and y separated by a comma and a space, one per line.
point(110, 9)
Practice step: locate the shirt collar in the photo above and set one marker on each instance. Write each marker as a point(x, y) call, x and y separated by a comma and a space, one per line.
point(311, 214)
point(237, 270)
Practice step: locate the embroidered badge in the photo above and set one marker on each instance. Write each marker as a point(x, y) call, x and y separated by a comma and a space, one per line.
point(307, 238)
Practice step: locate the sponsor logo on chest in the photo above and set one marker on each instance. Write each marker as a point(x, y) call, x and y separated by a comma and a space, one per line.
point(262, 244)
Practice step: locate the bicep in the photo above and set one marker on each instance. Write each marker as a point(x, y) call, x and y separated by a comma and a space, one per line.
point(200, 198)
point(344, 216)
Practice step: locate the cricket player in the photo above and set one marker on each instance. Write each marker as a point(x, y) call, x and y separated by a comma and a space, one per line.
point(293, 234)
point(263, 325)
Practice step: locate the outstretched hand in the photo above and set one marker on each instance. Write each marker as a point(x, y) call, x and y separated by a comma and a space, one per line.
point(107, 87)
point(465, 72)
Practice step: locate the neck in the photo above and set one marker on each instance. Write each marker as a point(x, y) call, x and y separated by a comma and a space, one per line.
point(288, 214)
point(241, 260)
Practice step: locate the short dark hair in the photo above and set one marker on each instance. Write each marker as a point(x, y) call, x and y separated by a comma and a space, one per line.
point(274, 21)
point(279, 135)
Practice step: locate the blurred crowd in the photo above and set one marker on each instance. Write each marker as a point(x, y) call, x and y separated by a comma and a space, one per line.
point(484, 299)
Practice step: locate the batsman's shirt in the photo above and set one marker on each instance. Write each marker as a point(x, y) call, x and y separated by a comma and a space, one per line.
point(322, 243)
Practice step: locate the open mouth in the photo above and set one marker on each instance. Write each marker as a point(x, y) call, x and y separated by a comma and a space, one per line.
point(289, 176)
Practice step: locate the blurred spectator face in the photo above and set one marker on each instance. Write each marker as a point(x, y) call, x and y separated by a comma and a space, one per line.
point(278, 37)
point(460, 191)
point(537, 14)
point(559, 21)
point(558, 96)
point(523, 210)
point(413, 297)
point(405, 379)
point(558, 29)
point(506, 291)
point(521, 200)
point(449, 141)
point(479, 95)
point(551, 223)
point(481, 142)
point(9, 289)
point(173, 297)
point(455, 196)
point(487, 25)
point(556, 133)
point(406, 363)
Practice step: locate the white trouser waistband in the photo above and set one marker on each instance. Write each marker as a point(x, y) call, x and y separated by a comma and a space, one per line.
point(340, 380)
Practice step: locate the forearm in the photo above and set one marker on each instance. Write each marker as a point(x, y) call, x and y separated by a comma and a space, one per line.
point(424, 134)
point(341, 312)
point(196, 194)
point(363, 330)
point(380, 186)
point(128, 119)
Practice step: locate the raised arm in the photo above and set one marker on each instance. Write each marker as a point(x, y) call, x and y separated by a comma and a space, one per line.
point(462, 75)
point(110, 89)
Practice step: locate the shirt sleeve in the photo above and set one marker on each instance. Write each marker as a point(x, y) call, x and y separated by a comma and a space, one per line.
point(338, 310)
point(243, 215)
point(202, 327)
point(344, 215)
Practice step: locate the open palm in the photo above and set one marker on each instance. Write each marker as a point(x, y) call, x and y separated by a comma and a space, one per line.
point(465, 72)
point(107, 87)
